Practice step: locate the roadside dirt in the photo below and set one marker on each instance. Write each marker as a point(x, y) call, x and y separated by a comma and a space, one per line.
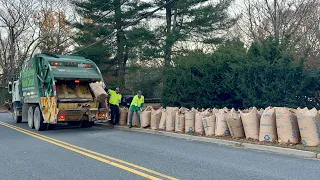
point(3, 110)
point(283, 145)
point(251, 141)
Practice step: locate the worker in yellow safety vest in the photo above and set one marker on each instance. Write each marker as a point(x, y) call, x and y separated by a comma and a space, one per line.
point(136, 106)
point(114, 101)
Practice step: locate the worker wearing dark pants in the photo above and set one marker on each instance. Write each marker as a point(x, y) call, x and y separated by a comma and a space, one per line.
point(115, 114)
point(115, 99)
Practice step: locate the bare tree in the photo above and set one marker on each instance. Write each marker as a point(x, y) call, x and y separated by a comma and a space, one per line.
point(17, 34)
point(54, 30)
point(292, 23)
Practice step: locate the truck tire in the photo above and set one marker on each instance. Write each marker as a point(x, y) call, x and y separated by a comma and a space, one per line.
point(38, 120)
point(30, 117)
point(16, 118)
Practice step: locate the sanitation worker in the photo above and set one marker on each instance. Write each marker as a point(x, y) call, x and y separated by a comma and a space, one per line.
point(136, 106)
point(9, 104)
point(114, 101)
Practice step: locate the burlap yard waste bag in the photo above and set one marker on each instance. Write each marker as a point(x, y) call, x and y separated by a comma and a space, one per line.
point(146, 117)
point(162, 124)
point(123, 116)
point(260, 112)
point(287, 126)
point(155, 118)
point(251, 124)
point(215, 111)
point(198, 123)
point(98, 91)
point(170, 118)
point(209, 122)
point(299, 110)
point(189, 121)
point(221, 123)
point(268, 127)
point(180, 121)
point(308, 122)
point(234, 123)
point(134, 119)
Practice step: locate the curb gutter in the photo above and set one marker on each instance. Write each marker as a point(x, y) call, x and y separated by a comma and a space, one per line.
point(278, 150)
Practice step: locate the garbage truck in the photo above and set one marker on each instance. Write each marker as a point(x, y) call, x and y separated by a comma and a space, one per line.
point(53, 89)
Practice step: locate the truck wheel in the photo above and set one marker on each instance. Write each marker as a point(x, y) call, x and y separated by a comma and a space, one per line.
point(16, 118)
point(30, 117)
point(38, 120)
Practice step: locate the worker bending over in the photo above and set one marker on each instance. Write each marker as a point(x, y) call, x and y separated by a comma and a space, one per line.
point(114, 101)
point(136, 105)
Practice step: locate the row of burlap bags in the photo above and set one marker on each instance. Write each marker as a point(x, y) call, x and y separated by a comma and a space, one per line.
point(169, 119)
point(279, 124)
point(290, 126)
point(276, 124)
point(145, 117)
point(272, 124)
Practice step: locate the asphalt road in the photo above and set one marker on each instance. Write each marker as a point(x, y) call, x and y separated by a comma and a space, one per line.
point(28, 155)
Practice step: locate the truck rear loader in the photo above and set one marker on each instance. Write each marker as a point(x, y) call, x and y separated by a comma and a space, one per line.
point(56, 88)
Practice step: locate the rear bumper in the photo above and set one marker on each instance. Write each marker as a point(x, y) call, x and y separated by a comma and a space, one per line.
point(93, 114)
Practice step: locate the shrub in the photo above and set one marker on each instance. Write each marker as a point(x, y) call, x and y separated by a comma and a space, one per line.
point(232, 77)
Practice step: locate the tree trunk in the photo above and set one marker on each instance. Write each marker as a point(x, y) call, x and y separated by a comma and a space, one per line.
point(275, 21)
point(12, 50)
point(125, 59)
point(169, 40)
point(120, 44)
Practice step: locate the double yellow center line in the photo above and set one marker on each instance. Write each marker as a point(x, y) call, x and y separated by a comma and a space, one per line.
point(127, 166)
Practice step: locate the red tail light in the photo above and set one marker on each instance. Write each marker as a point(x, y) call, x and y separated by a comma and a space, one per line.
point(87, 65)
point(62, 117)
point(77, 81)
point(56, 64)
point(102, 115)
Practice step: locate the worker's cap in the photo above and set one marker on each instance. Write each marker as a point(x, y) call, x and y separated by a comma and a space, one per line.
point(139, 92)
point(117, 89)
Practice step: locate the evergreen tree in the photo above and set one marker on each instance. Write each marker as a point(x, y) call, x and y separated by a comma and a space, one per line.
point(100, 19)
point(195, 20)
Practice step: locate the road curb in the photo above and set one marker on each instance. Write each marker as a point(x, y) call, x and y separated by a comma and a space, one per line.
point(180, 136)
point(278, 150)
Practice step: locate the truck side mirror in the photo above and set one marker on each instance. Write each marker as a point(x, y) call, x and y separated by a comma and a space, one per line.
point(10, 87)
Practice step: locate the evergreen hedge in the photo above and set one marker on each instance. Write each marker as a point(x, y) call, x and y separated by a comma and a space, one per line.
point(232, 77)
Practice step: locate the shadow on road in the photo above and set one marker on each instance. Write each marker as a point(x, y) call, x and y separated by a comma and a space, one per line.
point(57, 128)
